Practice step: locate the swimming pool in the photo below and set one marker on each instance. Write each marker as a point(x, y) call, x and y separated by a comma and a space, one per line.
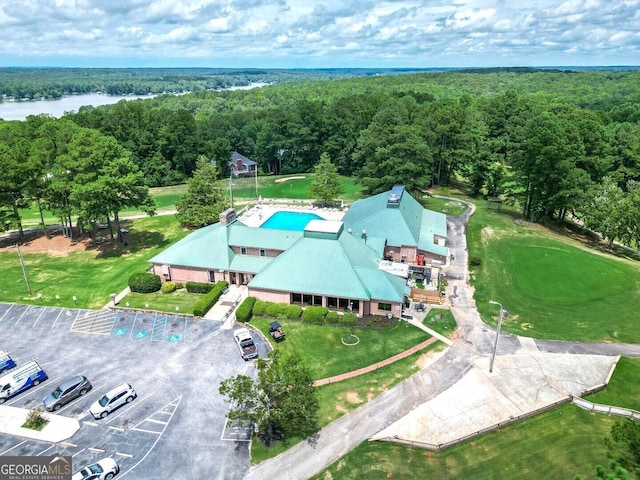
point(290, 220)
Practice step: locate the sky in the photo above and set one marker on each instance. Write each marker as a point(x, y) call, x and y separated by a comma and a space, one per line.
point(319, 33)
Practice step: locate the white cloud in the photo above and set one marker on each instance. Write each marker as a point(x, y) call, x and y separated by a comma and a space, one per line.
point(283, 33)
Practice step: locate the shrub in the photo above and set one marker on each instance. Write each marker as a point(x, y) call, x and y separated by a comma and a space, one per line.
point(168, 287)
point(208, 300)
point(35, 419)
point(331, 318)
point(293, 312)
point(349, 319)
point(475, 261)
point(276, 310)
point(198, 287)
point(179, 285)
point(243, 313)
point(314, 314)
point(260, 307)
point(144, 282)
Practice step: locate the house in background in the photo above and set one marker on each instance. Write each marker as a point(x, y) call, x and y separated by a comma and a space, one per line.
point(241, 166)
point(362, 264)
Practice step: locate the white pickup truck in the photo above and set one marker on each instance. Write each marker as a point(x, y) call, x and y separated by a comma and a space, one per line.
point(248, 349)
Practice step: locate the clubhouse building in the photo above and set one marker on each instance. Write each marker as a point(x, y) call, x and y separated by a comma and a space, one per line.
point(364, 263)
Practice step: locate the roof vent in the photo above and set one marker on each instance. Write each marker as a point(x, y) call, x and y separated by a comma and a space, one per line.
point(228, 216)
point(350, 231)
point(395, 196)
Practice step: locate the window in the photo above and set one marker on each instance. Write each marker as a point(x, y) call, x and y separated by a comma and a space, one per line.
point(384, 306)
point(243, 250)
point(296, 298)
point(263, 253)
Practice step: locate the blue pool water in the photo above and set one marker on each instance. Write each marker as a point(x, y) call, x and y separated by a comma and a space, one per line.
point(290, 220)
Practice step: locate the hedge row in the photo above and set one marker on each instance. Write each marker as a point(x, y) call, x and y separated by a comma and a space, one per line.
point(168, 287)
point(198, 287)
point(208, 300)
point(243, 313)
point(144, 282)
point(312, 314)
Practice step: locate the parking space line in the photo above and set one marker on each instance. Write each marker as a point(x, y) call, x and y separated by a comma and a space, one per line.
point(96, 450)
point(146, 431)
point(132, 406)
point(94, 390)
point(8, 310)
point(46, 450)
point(125, 455)
point(184, 338)
point(68, 444)
point(153, 420)
point(117, 429)
point(58, 359)
point(2, 454)
point(25, 311)
point(133, 327)
point(38, 319)
point(90, 424)
point(177, 403)
point(56, 320)
point(78, 452)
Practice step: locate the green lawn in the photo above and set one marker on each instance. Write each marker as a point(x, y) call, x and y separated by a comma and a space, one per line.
point(323, 351)
point(163, 302)
point(449, 207)
point(441, 320)
point(295, 187)
point(552, 286)
point(89, 275)
point(555, 445)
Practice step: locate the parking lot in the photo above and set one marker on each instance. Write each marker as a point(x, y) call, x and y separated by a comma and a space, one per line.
point(175, 428)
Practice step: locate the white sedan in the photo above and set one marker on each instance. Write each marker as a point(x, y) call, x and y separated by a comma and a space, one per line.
point(105, 469)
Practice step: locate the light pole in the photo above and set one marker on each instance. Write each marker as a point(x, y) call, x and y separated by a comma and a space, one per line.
point(503, 311)
point(24, 269)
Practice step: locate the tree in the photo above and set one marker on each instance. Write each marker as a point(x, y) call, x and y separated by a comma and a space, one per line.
point(324, 184)
point(203, 202)
point(281, 402)
point(624, 443)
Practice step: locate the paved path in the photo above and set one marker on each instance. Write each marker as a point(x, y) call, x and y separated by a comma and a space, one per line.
point(465, 364)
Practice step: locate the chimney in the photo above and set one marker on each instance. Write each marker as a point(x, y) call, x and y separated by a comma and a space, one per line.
point(228, 216)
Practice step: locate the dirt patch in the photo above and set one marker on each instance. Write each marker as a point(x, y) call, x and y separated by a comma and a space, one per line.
point(353, 397)
point(282, 180)
point(58, 245)
point(341, 408)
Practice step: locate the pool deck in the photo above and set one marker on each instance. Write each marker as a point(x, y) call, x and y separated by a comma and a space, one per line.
point(257, 215)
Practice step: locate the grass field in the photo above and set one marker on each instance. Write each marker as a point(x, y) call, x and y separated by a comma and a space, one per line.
point(322, 349)
point(552, 285)
point(179, 301)
point(89, 275)
point(555, 445)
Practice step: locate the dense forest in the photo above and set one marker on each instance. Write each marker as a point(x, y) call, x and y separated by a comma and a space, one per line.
point(554, 142)
point(48, 83)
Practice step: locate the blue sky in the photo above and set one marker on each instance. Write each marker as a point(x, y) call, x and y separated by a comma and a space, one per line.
point(316, 33)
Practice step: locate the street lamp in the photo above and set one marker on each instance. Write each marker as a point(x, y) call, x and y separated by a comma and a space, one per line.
point(503, 311)
point(24, 269)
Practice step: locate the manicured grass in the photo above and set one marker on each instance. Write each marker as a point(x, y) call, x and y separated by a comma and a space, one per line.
point(624, 388)
point(338, 398)
point(323, 351)
point(298, 188)
point(449, 207)
point(163, 302)
point(89, 275)
point(441, 320)
point(552, 286)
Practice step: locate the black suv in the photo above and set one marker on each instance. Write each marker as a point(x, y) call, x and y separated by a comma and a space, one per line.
point(68, 390)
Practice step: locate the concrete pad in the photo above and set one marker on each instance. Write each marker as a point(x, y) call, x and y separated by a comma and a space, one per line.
point(519, 384)
point(58, 429)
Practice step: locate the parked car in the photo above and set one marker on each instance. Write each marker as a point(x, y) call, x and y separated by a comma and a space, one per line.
point(276, 331)
point(111, 400)
point(105, 469)
point(248, 349)
point(68, 390)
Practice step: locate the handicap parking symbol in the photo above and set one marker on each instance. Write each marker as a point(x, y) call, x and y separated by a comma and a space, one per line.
point(141, 334)
point(174, 338)
point(121, 331)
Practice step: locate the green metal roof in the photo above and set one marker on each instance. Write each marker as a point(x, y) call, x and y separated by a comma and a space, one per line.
point(433, 223)
point(344, 268)
point(268, 238)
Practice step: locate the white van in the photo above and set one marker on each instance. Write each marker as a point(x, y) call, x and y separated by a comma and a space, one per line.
point(20, 378)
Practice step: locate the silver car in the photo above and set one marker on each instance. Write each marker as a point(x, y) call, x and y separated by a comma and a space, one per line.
point(68, 390)
point(112, 399)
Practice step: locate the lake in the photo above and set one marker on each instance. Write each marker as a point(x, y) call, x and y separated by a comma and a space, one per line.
point(57, 108)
